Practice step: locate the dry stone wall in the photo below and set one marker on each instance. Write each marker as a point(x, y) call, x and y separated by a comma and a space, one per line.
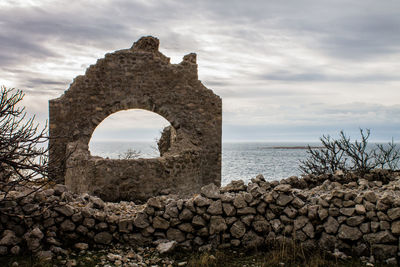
point(336, 213)
point(138, 78)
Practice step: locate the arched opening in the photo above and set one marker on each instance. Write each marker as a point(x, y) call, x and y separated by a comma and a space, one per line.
point(128, 134)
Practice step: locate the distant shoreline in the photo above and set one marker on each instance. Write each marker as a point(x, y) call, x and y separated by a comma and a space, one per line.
point(294, 147)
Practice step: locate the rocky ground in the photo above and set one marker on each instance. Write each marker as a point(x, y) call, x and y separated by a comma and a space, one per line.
point(150, 256)
point(341, 214)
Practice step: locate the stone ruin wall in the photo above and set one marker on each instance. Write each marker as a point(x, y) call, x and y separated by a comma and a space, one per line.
point(338, 214)
point(138, 78)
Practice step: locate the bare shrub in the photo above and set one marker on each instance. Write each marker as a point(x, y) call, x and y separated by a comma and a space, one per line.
point(345, 155)
point(328, 159)
point(23, 149)
point(387, 156)
point(130, 154)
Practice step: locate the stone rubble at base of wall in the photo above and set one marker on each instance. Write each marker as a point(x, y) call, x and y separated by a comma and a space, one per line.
point(336, 213)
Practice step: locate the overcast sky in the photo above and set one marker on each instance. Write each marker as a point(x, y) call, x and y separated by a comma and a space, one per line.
point(286, 70)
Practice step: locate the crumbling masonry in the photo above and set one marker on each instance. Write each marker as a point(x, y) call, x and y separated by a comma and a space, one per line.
point(138, 78)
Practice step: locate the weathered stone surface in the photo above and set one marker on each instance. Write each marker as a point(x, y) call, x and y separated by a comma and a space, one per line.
point(186, 227)
point(394, 213)
point(313, 211)
point(81, 246)
point(82, 230)
point(300, 236)
point(59, 189)
point(261, 207)
point(89, 222)
point(77, 217)
point(355, 220)
point(238, 229)
point(33, 239)
point(276, 225)
point(103, 238)
point(154, 202)
point(217, 225)
point(380, 237)
point(283, 199)
point(198, 221)
point(349, 233)
point(15, 250)
point(322, 213)
point(141, 220)
point(229, 209)
point(395, 228)
point(210, 191)
point(382, 252)
point(308, 229)
point(268, 198)
point(365, 228)
point(360, 209)
point(347, 211)
point(97, 202)
point(160, 223)
point(65, 210)
point(9, 238)
point(234, 186)
point(171, 210)
point(283, 187)
point(67, 225)
point(300, 222)
point(384, 225)
point(327, 242)
point(297, 203)
point(248, 197)
point(166, 247)
point(215, 208)
point(186, 215)
point(261, 225)
point(246, 210)
point(138, 78)
point(239, 201)
point(370, 196)
point(201, 201)
point(125, 225)
point(247, 219)
point(175, 234)
point(290, 212)
point(252, 240)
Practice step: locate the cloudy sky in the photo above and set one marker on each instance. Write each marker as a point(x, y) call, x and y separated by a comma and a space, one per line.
point(286, 70)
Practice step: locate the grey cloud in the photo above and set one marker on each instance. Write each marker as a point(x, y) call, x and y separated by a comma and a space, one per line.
point(352, 31)
point(40, 82)
point(261, 92)
point(37, 83)
point(26, 31)
point(45, 81)
point(359, 31)
point(17, 48)
point(322, 77)
point(390, 113)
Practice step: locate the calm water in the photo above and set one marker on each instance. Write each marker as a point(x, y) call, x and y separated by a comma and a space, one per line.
point(239, 160)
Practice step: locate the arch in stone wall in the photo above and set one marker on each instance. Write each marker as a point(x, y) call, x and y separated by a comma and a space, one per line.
point(138, 78)
point(118, 134)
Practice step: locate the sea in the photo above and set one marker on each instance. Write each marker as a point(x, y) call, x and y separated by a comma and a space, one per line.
point(244, 160)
